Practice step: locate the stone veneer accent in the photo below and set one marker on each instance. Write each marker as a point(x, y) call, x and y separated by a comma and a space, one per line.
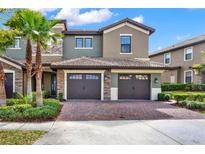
point(18, 77)
point(60, 81)
point(107, 85)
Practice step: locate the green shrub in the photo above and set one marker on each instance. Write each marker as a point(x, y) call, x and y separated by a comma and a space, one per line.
point(182, 103)
point(34, 96)
point(17, 95)
point(17, 108)
point(12, 101)
point(46, 94)
point(180, 97)
point(49, 110)
point(192, 104)
point(164, 97)
point(60, 96)
point(183, 87)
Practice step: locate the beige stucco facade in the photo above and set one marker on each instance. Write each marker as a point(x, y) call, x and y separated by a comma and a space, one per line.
point(177, 60)
point(112, 46)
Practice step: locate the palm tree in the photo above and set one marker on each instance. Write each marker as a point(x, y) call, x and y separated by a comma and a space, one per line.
point(24, 22)
point(43, 34)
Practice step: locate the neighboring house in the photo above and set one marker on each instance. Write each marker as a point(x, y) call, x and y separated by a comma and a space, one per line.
point(181, 58)
point(108, 64)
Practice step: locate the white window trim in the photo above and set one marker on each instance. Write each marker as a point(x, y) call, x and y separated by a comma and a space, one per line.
point(84, 37)
point(125, 34)
point(15, 48)
point(185, 75)
point(130, 44)
point(83, 48)
point(170, 58)
point(125, 53)
point(185, 54)
point(13, 72)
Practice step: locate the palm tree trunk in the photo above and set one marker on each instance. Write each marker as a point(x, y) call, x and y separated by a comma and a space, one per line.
point(38, 69)
point(29, 68)
point(2, 85)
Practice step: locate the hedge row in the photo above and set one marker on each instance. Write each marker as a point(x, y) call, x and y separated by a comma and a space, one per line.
point(183, 87)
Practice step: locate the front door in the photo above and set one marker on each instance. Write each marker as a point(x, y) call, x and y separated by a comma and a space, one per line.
point(9, 85)
point(53, 85)
point(84, 86)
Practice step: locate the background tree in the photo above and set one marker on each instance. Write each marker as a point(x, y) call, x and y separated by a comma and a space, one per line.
point(6, 39)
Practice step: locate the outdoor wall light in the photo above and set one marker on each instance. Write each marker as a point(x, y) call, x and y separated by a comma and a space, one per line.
point(156, 80)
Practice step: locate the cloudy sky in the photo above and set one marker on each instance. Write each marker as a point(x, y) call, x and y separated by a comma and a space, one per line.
point(172, 25)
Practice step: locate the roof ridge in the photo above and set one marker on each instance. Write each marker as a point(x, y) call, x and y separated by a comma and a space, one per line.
point(178, 44)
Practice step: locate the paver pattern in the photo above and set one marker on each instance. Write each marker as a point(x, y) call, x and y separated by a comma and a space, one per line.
point(123, 110)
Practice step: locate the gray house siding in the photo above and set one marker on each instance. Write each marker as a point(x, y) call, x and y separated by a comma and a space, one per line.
point(17, 54)
point(69, 50)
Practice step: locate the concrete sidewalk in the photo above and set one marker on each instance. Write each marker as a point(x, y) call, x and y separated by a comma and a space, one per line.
point(155, 132)
point(26, 126)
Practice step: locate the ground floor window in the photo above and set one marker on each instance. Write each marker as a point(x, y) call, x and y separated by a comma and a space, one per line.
point(188, 76)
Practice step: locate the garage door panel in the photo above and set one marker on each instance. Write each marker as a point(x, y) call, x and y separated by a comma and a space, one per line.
point(134, 86)
point(84, 86)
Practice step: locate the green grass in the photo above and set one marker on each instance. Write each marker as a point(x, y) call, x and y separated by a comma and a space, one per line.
point(202, 112)
point(20, 137)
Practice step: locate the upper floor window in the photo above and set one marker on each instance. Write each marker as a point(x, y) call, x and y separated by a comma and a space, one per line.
point(188, 54)
point(167, 58)
point(83, 43)
point(16, 44)
point(188, 76)
point(125, 44)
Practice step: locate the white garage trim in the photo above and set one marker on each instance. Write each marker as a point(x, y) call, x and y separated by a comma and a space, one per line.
point(13, 72)
point(84, 71)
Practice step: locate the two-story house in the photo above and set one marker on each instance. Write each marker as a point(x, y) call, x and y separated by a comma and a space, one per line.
point(108, 64)
point(181, 57)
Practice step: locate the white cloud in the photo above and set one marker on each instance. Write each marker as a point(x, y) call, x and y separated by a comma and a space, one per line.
point(74, 17)
point(159, 48)
point(183, 37)
point(44, 10)
point(139, 19)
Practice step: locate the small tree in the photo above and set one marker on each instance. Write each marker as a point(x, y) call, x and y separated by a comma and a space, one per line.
point(6, 39)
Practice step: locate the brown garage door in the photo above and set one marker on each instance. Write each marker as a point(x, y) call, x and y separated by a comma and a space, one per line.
point(84, 86)
point(134, 86)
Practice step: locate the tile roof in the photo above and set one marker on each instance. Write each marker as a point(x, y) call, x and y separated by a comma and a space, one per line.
point(13, 61)
point(89, 62)
point(184, 44)
point(46, 59)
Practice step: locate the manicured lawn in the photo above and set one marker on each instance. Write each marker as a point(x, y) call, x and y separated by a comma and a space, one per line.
point(203, 112)
point(20, 137)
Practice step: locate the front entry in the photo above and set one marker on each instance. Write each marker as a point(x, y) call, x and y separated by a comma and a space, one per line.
point(133, 86)
point(84, 86)
point(9, 85)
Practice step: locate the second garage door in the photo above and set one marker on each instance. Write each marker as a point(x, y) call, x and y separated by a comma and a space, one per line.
point(133, 86)
point(84, 86)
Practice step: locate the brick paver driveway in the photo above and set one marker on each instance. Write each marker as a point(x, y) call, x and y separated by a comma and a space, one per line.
point(126, 110)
